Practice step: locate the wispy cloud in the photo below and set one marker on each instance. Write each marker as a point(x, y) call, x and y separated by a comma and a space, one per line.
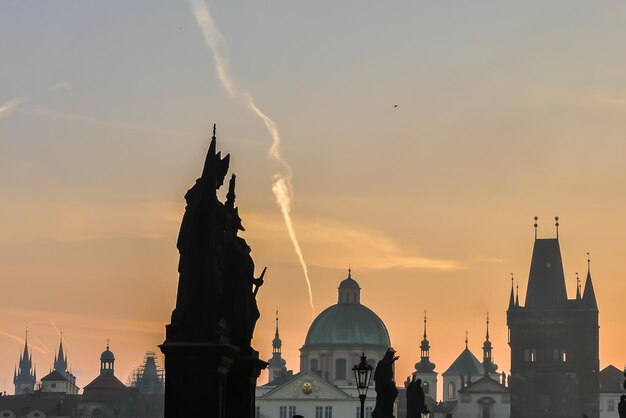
point(9, 106)
point(21, 341)
point(332, 244)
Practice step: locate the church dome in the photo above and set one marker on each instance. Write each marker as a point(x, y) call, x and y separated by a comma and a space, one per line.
point(348, 322)
point(107, 355)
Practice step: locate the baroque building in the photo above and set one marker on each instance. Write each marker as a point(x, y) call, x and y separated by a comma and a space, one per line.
point(554, 341)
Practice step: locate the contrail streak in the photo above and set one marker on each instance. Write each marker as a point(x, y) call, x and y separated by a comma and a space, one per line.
point(21, 341)
point(7, 107)
point(281, 186)
point(55, 327)
point(43, 345)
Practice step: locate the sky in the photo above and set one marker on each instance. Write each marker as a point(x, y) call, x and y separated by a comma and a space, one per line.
point(505, 111)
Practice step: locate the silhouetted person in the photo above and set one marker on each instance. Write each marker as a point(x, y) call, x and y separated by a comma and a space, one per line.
point(415, 402)
point(621, 406)
point(385, 387)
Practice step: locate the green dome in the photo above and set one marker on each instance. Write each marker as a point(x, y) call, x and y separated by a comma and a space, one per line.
point(347, 324)
point(107, 355)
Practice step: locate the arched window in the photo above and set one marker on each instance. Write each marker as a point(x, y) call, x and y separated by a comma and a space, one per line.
point(340, 368)
point(451, 390)
point(426, 387)
point(314, 365)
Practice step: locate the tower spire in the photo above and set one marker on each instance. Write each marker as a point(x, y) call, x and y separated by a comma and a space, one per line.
point(578, 296)
point(277, 364)
point(466, 338)
point(512, 297)
point(488, 364)
point(589, 295)
point(536, 219)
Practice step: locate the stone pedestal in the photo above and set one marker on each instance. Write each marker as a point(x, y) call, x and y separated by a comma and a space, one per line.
point(241, 384)
point(196, 376)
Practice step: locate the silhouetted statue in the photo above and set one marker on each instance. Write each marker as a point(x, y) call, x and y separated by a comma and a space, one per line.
point(208, 356)
point(385, 387)
point(415, 402)
point(621, 406)
point(240, 307)
point(215, 289)
point(201, 281)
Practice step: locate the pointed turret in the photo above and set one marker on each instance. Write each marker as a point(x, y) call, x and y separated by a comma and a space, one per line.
point(578, 296)
point(60, 360)
point(589, 295)
point(512, 297)
point(24, 378)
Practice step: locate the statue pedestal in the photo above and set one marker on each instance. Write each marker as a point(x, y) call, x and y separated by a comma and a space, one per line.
point(241, 384)
point(196, 376)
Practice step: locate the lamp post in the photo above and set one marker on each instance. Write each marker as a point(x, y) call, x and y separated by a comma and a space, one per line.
point(425, 412)
point(362, 375)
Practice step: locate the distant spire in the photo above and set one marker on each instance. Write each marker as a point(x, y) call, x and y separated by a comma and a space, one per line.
point(589, 295)
point(424, 323)
point(517, 294)
point(214, 129)
point(556, 223)
point(349, 270)
point(487, 335)
point(512, 297)
point(425, 365)
point(536, 219)
point(277, 342)
point(578, 297)
point(108, 342)
point(466, 338)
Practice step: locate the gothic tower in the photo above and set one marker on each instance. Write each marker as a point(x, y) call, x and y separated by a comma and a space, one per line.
point(554, 342)
point(425, 369)
point(25, 376)
point(60, 359)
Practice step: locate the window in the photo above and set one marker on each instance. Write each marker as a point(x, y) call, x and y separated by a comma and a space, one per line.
point(53, 385)
point(328, 412)
point(292, 411)
point(610, 405)
point(314, 366)
point(340, 368)
point(426, 387)
point(451, 390)
point(282, 411)
point(563, 356)
point(533, 355)
point(319, 412)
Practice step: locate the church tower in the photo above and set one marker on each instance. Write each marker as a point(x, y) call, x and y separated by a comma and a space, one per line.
point(277, 364)
point(25, 376)
point(425, 369)
point(60, 359)
point(107, 362)
point(488, 363)
point(554, 342)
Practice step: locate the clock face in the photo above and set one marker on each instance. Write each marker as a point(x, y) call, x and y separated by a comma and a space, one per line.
point(307, 388)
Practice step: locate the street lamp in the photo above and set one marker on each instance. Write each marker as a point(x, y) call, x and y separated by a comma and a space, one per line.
point(425, 412)
point(362, 375)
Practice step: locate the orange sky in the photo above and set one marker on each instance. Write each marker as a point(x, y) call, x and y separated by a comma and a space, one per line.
point(504, 112)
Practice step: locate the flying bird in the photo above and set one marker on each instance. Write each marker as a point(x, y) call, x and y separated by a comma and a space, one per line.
point(395, 106)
